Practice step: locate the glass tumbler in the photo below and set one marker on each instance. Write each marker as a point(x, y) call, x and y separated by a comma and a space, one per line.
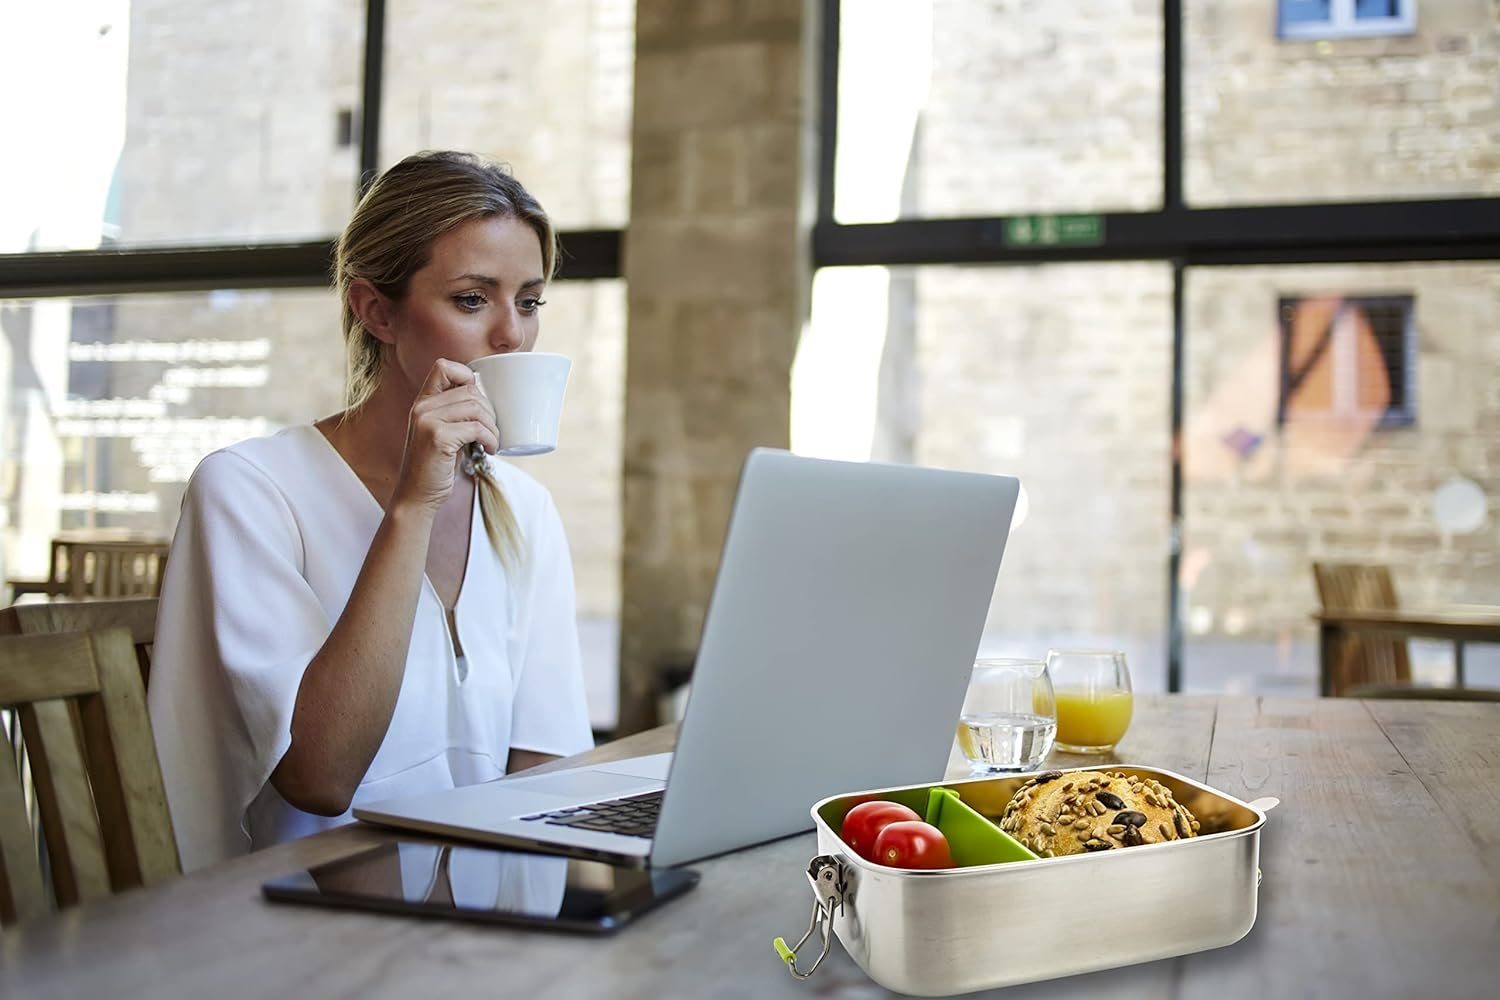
point(1094, 703)
point(1009, 718)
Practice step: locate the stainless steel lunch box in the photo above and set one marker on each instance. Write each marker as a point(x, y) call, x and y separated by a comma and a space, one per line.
point(937, 933)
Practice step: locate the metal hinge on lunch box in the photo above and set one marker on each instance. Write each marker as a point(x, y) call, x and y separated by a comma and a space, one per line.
point(827, 878)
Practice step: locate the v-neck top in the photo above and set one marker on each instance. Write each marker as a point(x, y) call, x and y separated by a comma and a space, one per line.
point(272, 536)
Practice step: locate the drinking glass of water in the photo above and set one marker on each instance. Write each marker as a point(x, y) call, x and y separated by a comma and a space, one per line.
point(1009, 717)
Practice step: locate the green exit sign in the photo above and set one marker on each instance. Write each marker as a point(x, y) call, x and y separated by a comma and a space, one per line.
point(1054, 230)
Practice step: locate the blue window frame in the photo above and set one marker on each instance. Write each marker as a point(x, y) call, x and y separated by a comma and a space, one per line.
point(1345, 18)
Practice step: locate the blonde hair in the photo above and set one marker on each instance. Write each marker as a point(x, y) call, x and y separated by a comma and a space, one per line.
point(390, 238)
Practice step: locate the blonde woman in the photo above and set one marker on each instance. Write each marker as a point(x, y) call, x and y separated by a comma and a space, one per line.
point(351, 609)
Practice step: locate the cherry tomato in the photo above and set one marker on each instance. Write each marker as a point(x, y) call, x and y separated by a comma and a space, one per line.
point(865, 821)
point(912, 845)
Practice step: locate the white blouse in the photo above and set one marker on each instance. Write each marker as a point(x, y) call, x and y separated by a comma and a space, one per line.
point(273, 534)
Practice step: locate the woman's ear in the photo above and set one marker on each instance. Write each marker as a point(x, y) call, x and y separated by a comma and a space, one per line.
point(375, 311)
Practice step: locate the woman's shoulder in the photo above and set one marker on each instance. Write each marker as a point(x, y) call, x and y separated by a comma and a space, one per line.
point(274, 461)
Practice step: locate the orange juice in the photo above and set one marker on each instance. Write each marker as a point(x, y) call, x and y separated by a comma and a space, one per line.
point(1092, 718)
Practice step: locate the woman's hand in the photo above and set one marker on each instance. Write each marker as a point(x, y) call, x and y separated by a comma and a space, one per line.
point(450, 412)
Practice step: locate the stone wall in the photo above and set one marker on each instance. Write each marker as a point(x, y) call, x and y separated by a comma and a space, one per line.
point(717, 269)
point(1060, 375)
point(544, 88)
point(1040, 106)
point(1349, 119)
point(1342, 493)
point(1037, 106)
point(230, 128)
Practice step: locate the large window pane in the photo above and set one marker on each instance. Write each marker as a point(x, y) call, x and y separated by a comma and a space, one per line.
point(954, 108)
point(1058, 374)
point(1346, 414)
point(163, 121)
point(545, 88)
point(1273, 119)
point(108, 404)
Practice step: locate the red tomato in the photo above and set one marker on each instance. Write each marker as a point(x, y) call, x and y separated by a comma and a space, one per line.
point(865, 821)
point(912, 845)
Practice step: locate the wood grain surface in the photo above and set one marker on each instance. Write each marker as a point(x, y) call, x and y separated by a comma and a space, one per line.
point(1380, 880)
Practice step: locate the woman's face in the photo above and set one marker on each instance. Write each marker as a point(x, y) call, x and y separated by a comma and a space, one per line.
point(478, 294)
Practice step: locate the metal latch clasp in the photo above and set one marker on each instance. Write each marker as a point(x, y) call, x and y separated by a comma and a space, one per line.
point(827, 877)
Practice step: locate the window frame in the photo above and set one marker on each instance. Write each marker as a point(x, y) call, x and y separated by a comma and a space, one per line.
point(1401, 414)
point(1344, 22)
point(1446, 229)
point(587, 254)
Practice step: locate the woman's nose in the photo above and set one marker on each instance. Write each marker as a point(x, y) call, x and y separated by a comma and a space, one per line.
point(506, 334)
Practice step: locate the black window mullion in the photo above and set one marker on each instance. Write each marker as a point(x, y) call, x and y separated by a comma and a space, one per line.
point(1171, 119)
point(828, 110)
point(369, 131)
point(1174, 529)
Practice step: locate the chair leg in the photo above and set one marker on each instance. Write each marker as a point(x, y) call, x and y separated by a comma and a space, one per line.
point(1330, 645)
point(1458, 663)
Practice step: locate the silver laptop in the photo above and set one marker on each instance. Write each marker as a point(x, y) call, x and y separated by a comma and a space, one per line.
point(835, 655)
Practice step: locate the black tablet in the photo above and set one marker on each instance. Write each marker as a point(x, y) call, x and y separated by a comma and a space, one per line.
point(484, 884)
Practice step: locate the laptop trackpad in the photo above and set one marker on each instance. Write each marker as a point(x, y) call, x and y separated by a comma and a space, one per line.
point(586, 785)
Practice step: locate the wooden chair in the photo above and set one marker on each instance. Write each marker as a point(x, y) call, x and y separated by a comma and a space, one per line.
point(102, 806)
point(107, 567)
point(1368, 658)
point(136, 614)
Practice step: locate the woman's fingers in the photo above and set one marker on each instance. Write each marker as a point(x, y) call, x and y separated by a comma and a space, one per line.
point(461, 433)
point(444, 375)
point(448, 414)
point(455, 407)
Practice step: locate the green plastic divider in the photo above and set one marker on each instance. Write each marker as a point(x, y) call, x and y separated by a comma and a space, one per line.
point(972, 839)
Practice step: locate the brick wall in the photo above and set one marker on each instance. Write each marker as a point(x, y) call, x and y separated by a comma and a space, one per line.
point(1060, 375)
point(546, 90)
point(1348, 119)
point(1041, 106)
point(1254, 524)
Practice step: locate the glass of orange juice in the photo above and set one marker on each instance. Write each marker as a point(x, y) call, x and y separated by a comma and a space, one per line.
point(1092, 693)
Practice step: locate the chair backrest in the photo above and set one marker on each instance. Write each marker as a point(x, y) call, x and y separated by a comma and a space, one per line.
point(107, 568)
point(99, 793)
point(137, 614)
point(1364, 658)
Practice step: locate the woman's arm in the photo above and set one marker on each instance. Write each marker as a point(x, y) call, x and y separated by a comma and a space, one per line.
point(348, 692)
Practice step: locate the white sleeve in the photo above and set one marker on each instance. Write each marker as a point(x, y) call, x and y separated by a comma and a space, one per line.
point(236, 628)
point(550, 712)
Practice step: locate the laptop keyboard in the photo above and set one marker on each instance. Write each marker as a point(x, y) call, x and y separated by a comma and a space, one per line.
point(632, 816)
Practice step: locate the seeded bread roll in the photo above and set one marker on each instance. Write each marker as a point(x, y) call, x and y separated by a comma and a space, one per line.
point(1058, 813)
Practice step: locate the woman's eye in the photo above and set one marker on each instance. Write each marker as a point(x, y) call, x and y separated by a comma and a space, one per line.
point(530, 305)
point(470, 301)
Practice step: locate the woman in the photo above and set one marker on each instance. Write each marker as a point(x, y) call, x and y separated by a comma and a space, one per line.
point(338, 624)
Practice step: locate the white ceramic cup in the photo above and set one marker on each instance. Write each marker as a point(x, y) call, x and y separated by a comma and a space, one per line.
point(526, 391)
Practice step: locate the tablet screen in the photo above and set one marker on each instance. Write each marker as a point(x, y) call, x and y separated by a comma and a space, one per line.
point(480, 883)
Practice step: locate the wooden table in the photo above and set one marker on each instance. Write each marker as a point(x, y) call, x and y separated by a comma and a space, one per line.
point(1382, 879)
point(1459, 623)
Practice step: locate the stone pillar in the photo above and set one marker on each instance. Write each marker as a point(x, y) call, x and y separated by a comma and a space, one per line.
point(717, 265)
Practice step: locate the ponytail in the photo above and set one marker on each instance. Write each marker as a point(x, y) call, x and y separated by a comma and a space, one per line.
point(499, 520)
